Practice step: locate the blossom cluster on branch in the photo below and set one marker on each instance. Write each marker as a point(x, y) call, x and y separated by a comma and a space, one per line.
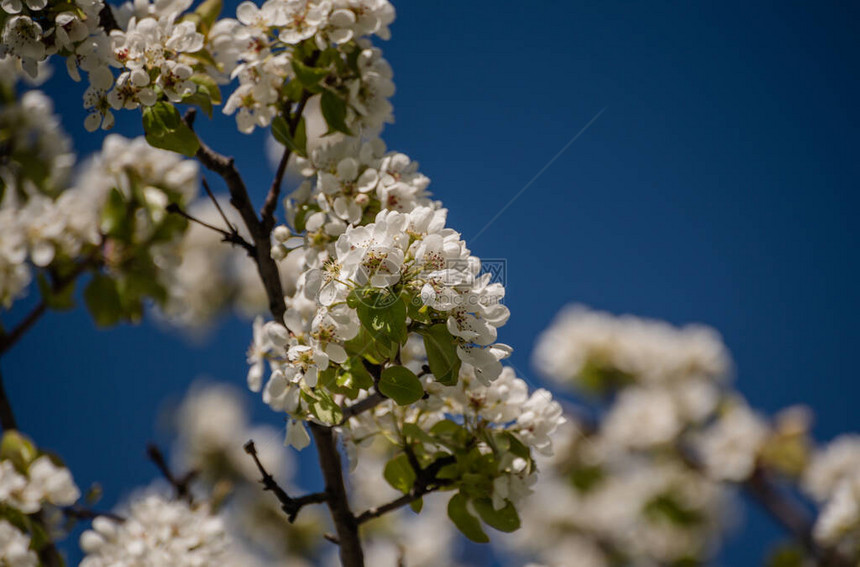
point(376, 329)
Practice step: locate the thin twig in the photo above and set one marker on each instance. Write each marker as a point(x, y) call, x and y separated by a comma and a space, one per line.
point(233, 236)
point(9, 339)
point(290, 506)
point(793, 518)
point(217, 204)
point(180, 484)
point(82, 513)
point(425, 483)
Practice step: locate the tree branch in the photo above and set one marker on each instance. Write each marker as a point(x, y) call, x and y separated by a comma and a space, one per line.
point(180, 484)
point(351, 554)
point(233, 236)
point(425, 483)
point(267, 213)
point(362, 406)
point(7, 416)
point(9, 339)
point(291, 506)
point(226, 168)
point(82, 513)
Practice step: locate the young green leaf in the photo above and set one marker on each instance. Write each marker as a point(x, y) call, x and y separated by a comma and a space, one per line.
point(310, 77)
point(383, 314)
point(401, 385)
point(165, 129)
point(334, 111)
point(297, 143)
point(464, 520)
point(103, 300)
point(505, 520)
point(399, 473)
point(442, 354)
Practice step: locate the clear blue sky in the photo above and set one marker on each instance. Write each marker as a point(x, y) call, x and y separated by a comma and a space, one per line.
point(719, 185)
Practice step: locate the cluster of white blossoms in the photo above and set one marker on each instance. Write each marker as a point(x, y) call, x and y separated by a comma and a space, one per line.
point(261, 48)
point(154, 52)
point(156, 531)
point(645, 480)
point(15, 547)
point(42, 217)
point(32, 30)
point(403, 253)
point(42, 482)
point(833, 481)
point(649, 479)
point(27, 486)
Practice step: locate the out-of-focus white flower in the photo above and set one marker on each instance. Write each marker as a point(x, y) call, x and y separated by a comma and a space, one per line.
point(730, 447)
point(837, 461)
point(157, 532)
point(15, 547)
point(640, 349)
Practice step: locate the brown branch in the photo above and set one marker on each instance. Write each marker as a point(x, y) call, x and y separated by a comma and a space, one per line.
point(266, 266)
point(362, 406)
point(233, 237)
point(290, 506)
point(267, 213)
point(425, 483)
point(8, 340)
point(351, 554)
point(182, 485)
point(82, 513)
point(793, 518)
point(49, 555)
point(7, 416)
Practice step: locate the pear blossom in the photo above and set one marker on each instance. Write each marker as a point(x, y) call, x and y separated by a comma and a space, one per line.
point(15, 547)
point(157, 531)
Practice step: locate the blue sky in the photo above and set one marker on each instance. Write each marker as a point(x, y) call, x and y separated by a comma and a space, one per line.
point(719, 185)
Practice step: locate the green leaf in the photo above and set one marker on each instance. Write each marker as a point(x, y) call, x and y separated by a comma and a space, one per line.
point(464, 520)
point(208, 85)
point(401, 385)
point(103, 300)
point(293, 90)
point(504, 520)
point(309, 77)
point(787, 555)
point(415, 433)
point(358, 374)
point(297, 143)
point(208, 12)
point(442, 354)
point(399, 473)
point(417, 505)
point(334, 111)
point(325, 408)
point(382, 313)
point(200, 100)
point(18, 449)
point(165, 129)
point(61, 299)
